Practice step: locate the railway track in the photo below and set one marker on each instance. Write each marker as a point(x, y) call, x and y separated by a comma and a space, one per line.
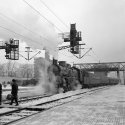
point(42, 104)
point(24, 99)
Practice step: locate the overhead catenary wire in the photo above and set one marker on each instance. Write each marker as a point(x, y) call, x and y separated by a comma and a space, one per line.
point(54, 13)
point(95, 54)
point(22, 26)
point(60, 21)
point(41, 15)
point(17, 33)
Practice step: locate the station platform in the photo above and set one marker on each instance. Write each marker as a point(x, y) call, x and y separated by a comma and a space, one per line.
point(105, 107)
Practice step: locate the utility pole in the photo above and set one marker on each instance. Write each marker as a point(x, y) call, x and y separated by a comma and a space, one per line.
point(28, 56)
point(28, 53)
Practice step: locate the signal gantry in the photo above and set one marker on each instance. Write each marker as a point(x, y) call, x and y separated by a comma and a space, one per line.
point(11, 48)
point(73, 37)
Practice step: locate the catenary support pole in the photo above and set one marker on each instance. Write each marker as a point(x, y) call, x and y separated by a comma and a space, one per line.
point(118, 76)
point(124, 77)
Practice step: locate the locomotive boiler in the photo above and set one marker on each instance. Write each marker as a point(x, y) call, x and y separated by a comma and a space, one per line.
point(71, 78)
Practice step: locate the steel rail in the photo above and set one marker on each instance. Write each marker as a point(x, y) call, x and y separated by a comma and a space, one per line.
point(38, 108)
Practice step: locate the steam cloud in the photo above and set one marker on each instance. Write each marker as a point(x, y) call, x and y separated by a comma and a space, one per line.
point(17, 16)
point(47, 80)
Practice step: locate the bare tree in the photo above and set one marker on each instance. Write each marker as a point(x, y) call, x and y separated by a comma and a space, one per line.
point(25, 71)
point(8, 68)
point(13, 69)
point(2, 70)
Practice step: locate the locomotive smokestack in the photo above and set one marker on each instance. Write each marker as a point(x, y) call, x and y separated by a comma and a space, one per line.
point(62, 63)
point(55, 61)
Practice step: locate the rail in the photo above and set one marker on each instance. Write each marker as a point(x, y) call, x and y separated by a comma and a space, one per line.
point(42, 105)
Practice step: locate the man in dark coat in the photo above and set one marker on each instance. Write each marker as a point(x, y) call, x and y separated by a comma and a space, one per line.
point(0, 93)
point(14, 92)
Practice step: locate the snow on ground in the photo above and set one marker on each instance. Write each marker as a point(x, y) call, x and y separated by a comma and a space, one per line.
point(3, 110)
point(105, 107)
point(23, 92)
point(8, 87)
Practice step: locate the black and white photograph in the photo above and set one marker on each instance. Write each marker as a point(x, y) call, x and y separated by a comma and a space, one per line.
point(62, 62)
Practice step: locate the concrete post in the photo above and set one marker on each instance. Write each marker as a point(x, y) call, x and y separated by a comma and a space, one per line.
point(124, 77)
point(118, 75)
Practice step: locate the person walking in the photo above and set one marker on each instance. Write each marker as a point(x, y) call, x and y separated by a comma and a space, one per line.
point(0, 93)
point(14, 92)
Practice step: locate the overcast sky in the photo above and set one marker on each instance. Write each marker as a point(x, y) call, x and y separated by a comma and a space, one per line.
point(102, 23)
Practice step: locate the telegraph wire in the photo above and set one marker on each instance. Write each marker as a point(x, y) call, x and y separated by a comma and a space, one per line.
point(17, 34)
point(95, 54)
point(41, 15)
point(54, 14)
point(22, 26)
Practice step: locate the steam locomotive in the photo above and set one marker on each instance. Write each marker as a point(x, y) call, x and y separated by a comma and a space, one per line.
point(71, 78)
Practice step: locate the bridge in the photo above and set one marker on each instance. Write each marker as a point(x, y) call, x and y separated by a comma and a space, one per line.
point(103, 67)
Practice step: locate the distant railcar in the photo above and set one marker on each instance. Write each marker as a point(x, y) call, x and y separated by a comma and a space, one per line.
point(91, 80)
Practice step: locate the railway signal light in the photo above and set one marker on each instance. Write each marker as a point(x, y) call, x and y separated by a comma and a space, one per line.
point(7, 56)
point(11, 41)
point(73, 32)
point(72, 49)
point(8, 48)
point(12, 49)
point(73, 37)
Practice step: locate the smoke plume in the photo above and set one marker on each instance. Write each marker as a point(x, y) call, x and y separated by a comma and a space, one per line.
point(19, 21)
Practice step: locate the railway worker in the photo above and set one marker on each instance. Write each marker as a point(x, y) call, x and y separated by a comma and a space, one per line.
point(0, 93)
point(14, 92)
